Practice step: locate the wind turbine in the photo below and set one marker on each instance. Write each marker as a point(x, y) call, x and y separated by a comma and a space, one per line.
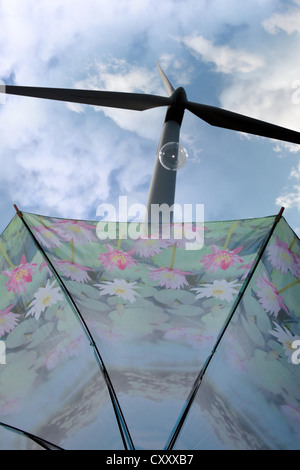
point(162, 187)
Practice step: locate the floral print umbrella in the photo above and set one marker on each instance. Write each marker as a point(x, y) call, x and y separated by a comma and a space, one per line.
point(143, 344)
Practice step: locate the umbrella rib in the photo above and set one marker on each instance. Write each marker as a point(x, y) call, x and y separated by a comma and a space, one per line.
point(124, 431)
point(198, 381)
point(39, 440)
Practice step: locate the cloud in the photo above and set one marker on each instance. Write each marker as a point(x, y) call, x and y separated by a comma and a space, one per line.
point(291, 197)
point(57, 160)
point(272, 95)
point(70, 166)
point(225, 58)
point(57, 164)
point(119, 75)
point(65, 159)
point(288, 21)
point(267, 93)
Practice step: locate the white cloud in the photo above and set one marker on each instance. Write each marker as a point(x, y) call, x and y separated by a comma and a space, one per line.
point(69, 161)
point(267, 93)
point(288, 21)
point(121, 76)
point(291, 197)
point(118, 75)
point(225, 58)
point(59, 158)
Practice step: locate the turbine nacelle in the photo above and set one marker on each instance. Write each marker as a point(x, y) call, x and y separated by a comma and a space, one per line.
point(175, 112)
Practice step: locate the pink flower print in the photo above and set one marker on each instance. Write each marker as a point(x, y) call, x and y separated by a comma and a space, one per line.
point(19, 276)
point(186, 233)
point(10, 406)
point(75, 346)
point(247, 268)
point(45, 265)
point(169, 278)
point(48, 237)
point(221, 259)
point(104, 332)
point(53, 358)
point(116, 259)
point(69, 348)
point(175, 333)
point(74, 271)
point(8, 320)
point(204, 342)
point(269, 298)
point(283, 259)
point(110, 336)
point(77, 230)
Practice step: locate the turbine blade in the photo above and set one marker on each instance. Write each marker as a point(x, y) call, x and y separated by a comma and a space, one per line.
point(167, 84)
point(227, 119)
point(112, 99)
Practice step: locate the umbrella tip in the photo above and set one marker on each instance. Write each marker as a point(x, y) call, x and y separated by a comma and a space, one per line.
point(279, 214)
point(17, 210)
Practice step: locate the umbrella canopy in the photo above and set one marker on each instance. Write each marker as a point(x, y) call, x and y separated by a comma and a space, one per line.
point(123, 343)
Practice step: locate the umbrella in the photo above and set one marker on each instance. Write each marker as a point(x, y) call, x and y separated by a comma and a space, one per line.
point(120, 342)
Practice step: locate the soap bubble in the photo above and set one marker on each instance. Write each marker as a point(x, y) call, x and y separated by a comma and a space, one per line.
point(173, 156)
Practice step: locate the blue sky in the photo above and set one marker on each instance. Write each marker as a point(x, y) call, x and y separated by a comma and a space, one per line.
point(64, 160)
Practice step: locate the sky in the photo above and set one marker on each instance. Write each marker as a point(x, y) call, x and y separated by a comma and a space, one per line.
point(66, 160)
